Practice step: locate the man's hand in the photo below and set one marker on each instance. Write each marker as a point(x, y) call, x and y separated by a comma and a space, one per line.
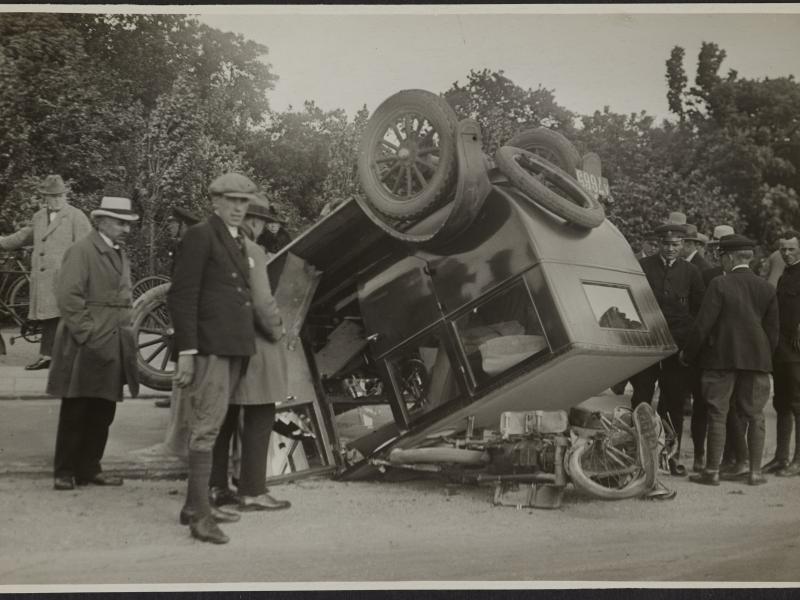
point(185, 372)
point(682, 359)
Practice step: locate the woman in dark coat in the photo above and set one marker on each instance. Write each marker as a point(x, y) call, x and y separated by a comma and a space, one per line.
point(264, 384)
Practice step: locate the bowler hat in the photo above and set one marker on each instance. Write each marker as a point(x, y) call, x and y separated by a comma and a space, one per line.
point(115, 207)
point(53, 185)
point(733, 242)
point(720, 231)
point(233, 185)
point(692, 235)
point(671, 231)
point(677, 217)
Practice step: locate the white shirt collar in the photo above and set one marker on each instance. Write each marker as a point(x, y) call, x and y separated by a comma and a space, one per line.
point(234, 231)
point(740, 267)
point(691, 256)
point(108, 241)
point(667, 263)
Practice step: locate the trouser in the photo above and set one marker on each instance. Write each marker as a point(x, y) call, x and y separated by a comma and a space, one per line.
point(786, 400)
point(206, 399)
point(735, 451)
point(82, 435)
point(699, 423)
point(48, 327)
point(258, 422)
point(673, 381)
point(749, 392)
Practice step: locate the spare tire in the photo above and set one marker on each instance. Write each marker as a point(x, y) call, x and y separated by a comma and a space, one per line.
point(550, 186)
point(407, 157)
point(550, 145)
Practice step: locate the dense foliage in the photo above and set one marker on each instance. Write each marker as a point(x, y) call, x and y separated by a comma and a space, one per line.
point(162, 104)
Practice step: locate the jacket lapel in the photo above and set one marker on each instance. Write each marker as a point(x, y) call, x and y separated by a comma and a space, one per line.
point(51, 227)
point(107, 251)
point(230, 245)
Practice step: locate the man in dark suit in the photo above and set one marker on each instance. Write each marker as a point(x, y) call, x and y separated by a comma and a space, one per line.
point(211, 306)
point(678, 288)
point(786, 361)
point(733, 339)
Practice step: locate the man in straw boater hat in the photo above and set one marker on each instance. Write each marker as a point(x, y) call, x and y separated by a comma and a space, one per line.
point(54, 228)
point(733, 337)
point(678, 288)
point(94, 353)
point(211, 305)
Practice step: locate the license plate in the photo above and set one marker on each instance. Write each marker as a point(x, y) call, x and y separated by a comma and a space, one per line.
point(594, 185)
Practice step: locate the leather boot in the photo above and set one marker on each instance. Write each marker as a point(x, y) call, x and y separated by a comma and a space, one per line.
point(793, 468)
point(776, 464)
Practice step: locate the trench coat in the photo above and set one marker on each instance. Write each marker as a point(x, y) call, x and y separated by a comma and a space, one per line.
point(266, 379)
point(94, 353)
point(50, 242)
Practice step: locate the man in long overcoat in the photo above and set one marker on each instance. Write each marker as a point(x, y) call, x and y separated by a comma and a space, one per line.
point(733, 338)
point(54, 228)
point(94, 353)
point(211, 305)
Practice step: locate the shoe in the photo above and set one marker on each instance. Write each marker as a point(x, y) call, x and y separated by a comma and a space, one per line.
point(39, 363)
point(262, 502)
point(699, 464)
point(220, 516)
point(776, 464)
point(734, 474)
point(63, 483)
point(163, 402)
point(793, 468)
point(705, 478)
point(206, 530)
point(100, 479)
point(676, 469)
point(756, 478)
point(220, 496)
point(737, 468)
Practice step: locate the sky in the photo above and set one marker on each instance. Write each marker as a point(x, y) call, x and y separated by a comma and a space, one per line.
point(589, 60)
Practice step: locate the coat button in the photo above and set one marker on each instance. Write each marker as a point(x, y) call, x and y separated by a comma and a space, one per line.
point(233, 275)
point(238, 289)
point(247, 304)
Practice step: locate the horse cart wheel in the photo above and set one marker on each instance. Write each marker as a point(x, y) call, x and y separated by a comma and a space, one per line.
point(147, 283)
point(153, 331)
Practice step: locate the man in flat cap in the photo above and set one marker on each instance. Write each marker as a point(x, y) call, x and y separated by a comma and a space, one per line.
point(94, 353)
point(211, 305)
point(786, 361)
point(678, 288)
point(649, 245)
point(734, 336)
point(54, 228)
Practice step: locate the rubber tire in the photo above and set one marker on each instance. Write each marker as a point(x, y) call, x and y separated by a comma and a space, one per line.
point(147, 283)
point(587, 212)
point(448, 455)
point(442, 117)
point(13, 291)
point(552, 142)
point(150, 300)
point(635, 488)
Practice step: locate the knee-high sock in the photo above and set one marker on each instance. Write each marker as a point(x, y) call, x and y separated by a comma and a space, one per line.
point(197, 485)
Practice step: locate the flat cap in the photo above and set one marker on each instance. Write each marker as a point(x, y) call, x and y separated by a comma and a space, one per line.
point(720, 231)
point(671, 230)
point(733, 242)
point(233, 185)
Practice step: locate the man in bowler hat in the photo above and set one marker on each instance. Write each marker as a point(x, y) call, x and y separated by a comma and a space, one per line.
point(211, 305)
point(733, 338)
point(54, 228)
point(94, 353)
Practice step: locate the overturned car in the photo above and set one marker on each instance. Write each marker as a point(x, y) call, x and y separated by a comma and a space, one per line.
point(453, 319)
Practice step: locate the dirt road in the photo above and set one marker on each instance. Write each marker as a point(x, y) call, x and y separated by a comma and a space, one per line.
point(412, 531)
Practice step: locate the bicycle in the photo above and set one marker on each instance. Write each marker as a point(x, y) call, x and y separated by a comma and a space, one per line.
point(15, 298)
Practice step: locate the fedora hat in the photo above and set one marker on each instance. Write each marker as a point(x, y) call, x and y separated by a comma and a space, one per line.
point(262, 208)
point(692, 235)
point(720, 231)
point(116, 208)
point(677, 217)
point(52, 185)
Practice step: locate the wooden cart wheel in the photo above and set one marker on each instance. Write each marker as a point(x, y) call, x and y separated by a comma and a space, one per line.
point(153, 332)
point(148, 283)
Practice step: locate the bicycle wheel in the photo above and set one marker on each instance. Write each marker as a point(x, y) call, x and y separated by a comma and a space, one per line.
point(148, 283)
point(153, 332)
point(19, 298)
point(620, 461)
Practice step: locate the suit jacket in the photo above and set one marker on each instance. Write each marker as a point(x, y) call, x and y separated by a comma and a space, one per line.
point(789, 313)
point(711, 273)
point(679, 291)
point(210, 300)
point(94, 353)
point(50, 242)
point(737, 326)
point(266, 380)
point(700, 262)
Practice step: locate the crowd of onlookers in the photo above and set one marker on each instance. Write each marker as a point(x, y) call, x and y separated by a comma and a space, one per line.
point(733, 310)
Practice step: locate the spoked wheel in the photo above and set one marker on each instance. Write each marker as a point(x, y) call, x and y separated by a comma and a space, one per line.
point(152, 327)
point(414, 382)
point(551, 146)
point(619, 461)
point(407, 158)
point(19, 298)
point(549, 186)
point(148, 283)
point(31, 331)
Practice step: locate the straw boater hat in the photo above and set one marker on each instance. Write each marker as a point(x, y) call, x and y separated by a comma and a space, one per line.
point(720, 231)
point(116, 208)
point(52, 185)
